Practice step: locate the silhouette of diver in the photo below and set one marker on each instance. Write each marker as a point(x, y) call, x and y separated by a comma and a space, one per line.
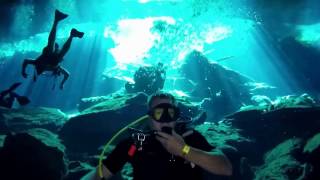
point(51, 56)
point(7, 97)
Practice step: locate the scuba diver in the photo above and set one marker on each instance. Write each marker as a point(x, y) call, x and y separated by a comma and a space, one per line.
point(52, 56)
point(163, 152)
point(7, 97)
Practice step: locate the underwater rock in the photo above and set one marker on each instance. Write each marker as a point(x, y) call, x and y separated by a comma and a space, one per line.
point(47, 137)
point(302, 62)
point(91, 101)
point(313, 144)
point(24, 156)
point(77, 169)
point(3, 125)
point(111, 83)
point(281, 162)
point(91, 129)
point(220, 134)
point(2, 138)
point(271, 124)
point(217, 84)
point(223, 136)
point(127, 172)
point(147, 79)
point(114, 101)
point(181, 83)
point(189, 109)
point(140, 97)
point(16, 120)
point(265, 104)
point(86, 103)
point(312, 152)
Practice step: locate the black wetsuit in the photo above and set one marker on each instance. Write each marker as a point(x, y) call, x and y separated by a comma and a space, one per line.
point(154, 162)
point(47, 62)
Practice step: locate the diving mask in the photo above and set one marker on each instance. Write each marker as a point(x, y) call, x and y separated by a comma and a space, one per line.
point(164, 112)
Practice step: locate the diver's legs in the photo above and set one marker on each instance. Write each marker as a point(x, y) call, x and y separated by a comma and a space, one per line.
point(65, 74)
point(24, 66)
point(67, 44)
point(14, 86)
point(52, 35)
point(65, 48)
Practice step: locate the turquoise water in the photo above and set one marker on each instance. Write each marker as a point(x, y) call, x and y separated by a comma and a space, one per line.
point(122, 35)
point(245, 72)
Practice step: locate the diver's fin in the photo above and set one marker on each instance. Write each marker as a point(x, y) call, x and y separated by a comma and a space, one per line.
point(14, 86)
point(76, 33)
point(59, 15)
point(23, 100)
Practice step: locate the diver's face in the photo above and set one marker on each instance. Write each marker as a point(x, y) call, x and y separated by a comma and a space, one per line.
point(155, 125)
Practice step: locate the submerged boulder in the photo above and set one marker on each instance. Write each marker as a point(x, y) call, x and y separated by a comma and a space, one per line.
point(282, 162)
point(95, 126)
point(269, 124)
point(224, 137)
point(36, 154)
point(4, 129)
point(312, 156)
point(302, 64)
point(281, 138)
point(223, 90)
point(77, 169)
point(91, 101)
point(15, 120)
point(147, 79)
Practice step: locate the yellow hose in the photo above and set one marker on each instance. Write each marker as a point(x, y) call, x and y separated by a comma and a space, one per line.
point(113, 138)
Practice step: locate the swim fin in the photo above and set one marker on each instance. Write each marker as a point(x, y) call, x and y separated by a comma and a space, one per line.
point(59, 15)
point(23, 100)
point(14, 86)
point(76, 33)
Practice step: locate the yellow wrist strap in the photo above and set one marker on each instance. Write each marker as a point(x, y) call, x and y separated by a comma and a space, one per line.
point(185, 150)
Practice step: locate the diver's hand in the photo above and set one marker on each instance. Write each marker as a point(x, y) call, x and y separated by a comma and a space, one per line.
point(172, 143)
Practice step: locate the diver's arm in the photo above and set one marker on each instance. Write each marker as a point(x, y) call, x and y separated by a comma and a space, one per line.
point(93, 175)
point(24, 66)
point(214, 162)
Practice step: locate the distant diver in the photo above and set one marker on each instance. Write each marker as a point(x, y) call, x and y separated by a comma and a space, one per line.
point(8, 96)
point(51, 56)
